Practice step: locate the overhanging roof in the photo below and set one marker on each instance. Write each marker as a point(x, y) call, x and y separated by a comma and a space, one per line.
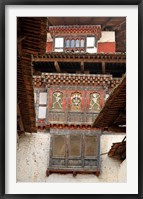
point(113, 114)
point(31, 39)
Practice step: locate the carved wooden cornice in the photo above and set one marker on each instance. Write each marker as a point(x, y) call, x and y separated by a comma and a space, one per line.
point(71, 30)
point(49, 79)
point(80, 57)
point(42, 127)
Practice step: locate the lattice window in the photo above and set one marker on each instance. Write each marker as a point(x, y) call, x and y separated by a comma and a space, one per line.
point(58, 146)
point(82, 43)
point(75, 146)
point(74, 151)
point(90, 146)
point(76, 44)
point(67, 43)
point(72, 43)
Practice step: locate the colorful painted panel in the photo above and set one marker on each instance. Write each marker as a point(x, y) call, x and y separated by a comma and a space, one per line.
point(70, 105)
point(94, 102)
point(76, 101)
point(57, 100)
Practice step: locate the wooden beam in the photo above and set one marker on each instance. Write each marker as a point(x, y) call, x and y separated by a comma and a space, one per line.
point(49, 22)
point(95, 60)
point(105, 23)
point(120, 35)
point(86, 72)
point(57, 67)
point(117, 129)
point(19, 48)
point(63, 18)
point(20, 38)
point(103, 68)
point(19, 118)
point(78, 72)
point(92, 20)
point(121, 118)
point(118, 25)
point(82, 66)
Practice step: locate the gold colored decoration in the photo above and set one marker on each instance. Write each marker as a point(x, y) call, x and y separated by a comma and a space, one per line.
point(76, 101)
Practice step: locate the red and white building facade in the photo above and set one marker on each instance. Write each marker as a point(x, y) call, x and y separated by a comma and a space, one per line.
point(80, 39)
point(67, 104)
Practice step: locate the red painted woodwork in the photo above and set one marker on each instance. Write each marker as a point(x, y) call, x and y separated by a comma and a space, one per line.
point(85, 94)
point(49, 47)
point(106, 47)
point(41, 121)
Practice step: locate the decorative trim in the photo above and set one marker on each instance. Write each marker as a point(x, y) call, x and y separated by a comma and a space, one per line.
point(49, 79)
point(45, 127)
point(71, 30)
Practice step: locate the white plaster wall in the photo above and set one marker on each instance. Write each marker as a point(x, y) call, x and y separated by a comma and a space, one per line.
point(107, 36)
point(49, 38)
point(109, 166)
point(122, 174)
point(33, 154)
